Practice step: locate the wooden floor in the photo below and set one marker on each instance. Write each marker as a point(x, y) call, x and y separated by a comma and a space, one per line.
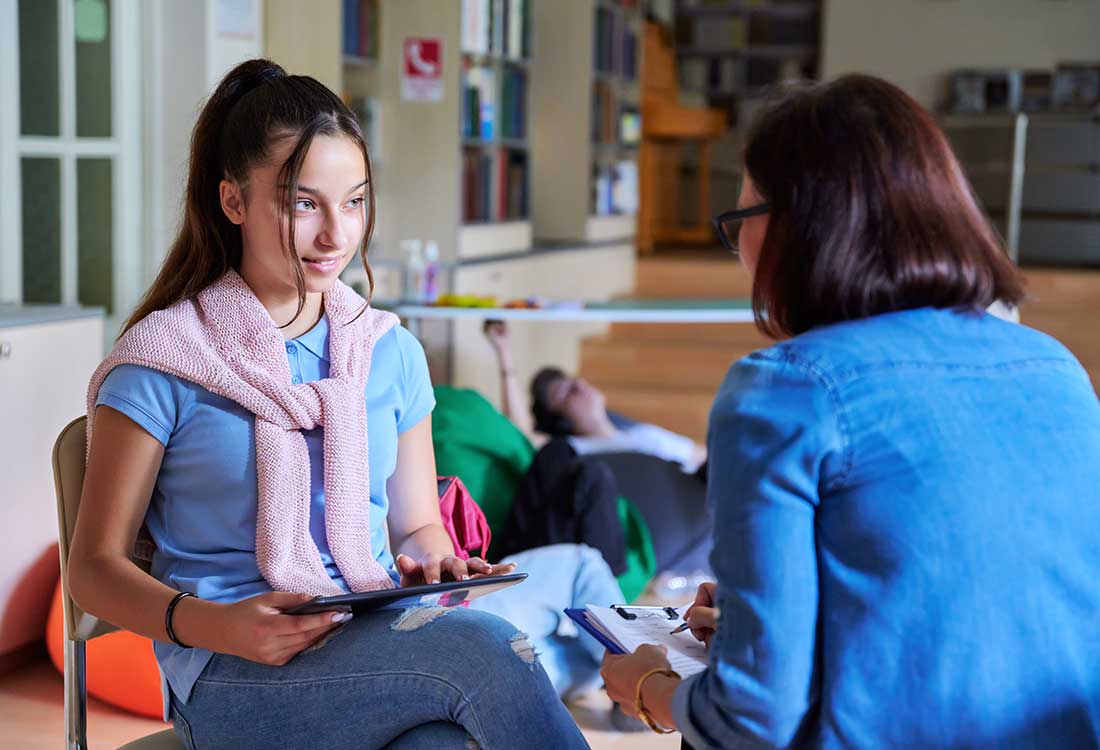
point(32, 718)
point(668, 374)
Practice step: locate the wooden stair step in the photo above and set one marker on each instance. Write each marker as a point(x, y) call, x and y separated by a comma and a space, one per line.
point(697, 276)
point(734, 335)
point(606, 361)
point(679, 410)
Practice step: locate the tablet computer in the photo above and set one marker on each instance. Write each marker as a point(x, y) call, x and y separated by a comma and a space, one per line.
point(445, 594)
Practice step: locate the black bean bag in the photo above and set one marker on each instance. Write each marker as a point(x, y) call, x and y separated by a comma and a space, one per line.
point(673, 504)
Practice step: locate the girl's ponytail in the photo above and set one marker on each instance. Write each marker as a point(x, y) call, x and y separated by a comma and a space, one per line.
point(208, 244)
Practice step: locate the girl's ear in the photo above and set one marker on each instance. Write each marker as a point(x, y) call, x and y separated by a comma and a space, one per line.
point(232, 198)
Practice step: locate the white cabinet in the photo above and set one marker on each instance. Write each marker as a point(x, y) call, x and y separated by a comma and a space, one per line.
point(47, 356)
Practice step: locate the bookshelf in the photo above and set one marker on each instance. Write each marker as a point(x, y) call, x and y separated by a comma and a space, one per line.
point(496, 62)
point(587, 106)
point(360, 46)
point(733, 50)
point(452, 169)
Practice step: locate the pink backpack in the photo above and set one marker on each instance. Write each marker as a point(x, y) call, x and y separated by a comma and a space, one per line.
point(463, 519)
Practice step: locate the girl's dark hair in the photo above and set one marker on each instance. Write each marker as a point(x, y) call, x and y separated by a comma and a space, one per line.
point(547, 421)
point(870, 211)
point(256, 106)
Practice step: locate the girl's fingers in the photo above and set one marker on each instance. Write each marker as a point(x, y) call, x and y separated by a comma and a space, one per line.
point(293, 624)
point(500, 569)
point(456, 566)
point(478, 565)
point(431, 568)
point(307, 639)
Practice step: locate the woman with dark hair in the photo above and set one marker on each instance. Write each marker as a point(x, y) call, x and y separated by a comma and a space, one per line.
point(231, 423)
point(906, 489)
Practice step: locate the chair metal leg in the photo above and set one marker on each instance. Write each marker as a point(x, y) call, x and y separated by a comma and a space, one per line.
point(76, 697)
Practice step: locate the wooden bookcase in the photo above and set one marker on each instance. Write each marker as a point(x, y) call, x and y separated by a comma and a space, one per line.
point(587, 119)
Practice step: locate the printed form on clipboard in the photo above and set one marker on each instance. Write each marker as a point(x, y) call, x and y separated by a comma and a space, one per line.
point(622, 629)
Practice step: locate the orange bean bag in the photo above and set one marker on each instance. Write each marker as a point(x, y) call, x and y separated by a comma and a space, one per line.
point(121, 668)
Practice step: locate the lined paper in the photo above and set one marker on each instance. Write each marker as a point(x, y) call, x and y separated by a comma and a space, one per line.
point(686, 655)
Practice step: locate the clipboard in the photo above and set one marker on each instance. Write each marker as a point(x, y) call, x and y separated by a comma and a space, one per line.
point(445, 594)
point(580, 616)
point(621, 629)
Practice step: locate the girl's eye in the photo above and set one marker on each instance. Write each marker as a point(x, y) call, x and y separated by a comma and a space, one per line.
point(356, 202)
point(303, 204)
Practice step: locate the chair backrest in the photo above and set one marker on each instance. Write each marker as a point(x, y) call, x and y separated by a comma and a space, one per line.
point(659, 77)
point(69, 455)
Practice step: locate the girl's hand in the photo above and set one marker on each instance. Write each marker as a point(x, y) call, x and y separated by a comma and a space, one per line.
point(431, 567)
point(256, 628)
point(621, 672)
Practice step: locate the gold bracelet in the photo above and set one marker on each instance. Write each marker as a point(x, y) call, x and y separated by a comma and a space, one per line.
point(641, 710)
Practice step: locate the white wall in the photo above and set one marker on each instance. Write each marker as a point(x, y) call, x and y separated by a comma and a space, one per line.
point(914, 43)
point(306, 38)
point(185, 57)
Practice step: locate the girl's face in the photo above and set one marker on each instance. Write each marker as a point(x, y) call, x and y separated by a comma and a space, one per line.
point(329, 214)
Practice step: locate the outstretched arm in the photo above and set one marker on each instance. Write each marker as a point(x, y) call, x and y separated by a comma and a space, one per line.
point(512, 403)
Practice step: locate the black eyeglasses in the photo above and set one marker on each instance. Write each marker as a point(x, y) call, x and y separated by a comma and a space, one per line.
point(728, 224)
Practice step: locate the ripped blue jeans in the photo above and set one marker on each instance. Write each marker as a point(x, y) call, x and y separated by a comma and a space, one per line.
point(463, 680)
point(558, 576)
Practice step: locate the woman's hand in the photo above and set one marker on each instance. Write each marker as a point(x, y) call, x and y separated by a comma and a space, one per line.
point(703, 622)
point(431, 567)
point(702, 615)
point(256, 628)
point(621, 673)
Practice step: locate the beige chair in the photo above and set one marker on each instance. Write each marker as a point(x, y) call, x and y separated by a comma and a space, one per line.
point(68, 472)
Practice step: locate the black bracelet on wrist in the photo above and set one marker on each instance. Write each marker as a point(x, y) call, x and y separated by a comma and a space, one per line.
point(168, 618)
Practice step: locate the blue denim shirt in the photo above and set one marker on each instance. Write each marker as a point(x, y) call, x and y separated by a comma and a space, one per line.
point(907, 542)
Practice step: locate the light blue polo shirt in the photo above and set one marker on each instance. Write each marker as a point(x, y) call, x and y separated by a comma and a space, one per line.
point(202, 514)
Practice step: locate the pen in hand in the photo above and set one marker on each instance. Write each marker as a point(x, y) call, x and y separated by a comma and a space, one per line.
point(681, 628)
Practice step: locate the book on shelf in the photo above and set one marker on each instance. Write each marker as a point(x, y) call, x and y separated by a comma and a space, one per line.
point(477, 180)
point(494, 185)
point(361, 28)
point(630, 126)
point(624, 191)
point(479, 118)
point(603, 183)
point(514, 185)
point(603, 113)
point(614, 188)
point(604, 39)
point(496, 27)
point(513, 105)
point(630, 55)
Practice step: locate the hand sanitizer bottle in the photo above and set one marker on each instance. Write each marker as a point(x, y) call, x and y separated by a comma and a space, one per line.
point(430, 290)
point(411, 281)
